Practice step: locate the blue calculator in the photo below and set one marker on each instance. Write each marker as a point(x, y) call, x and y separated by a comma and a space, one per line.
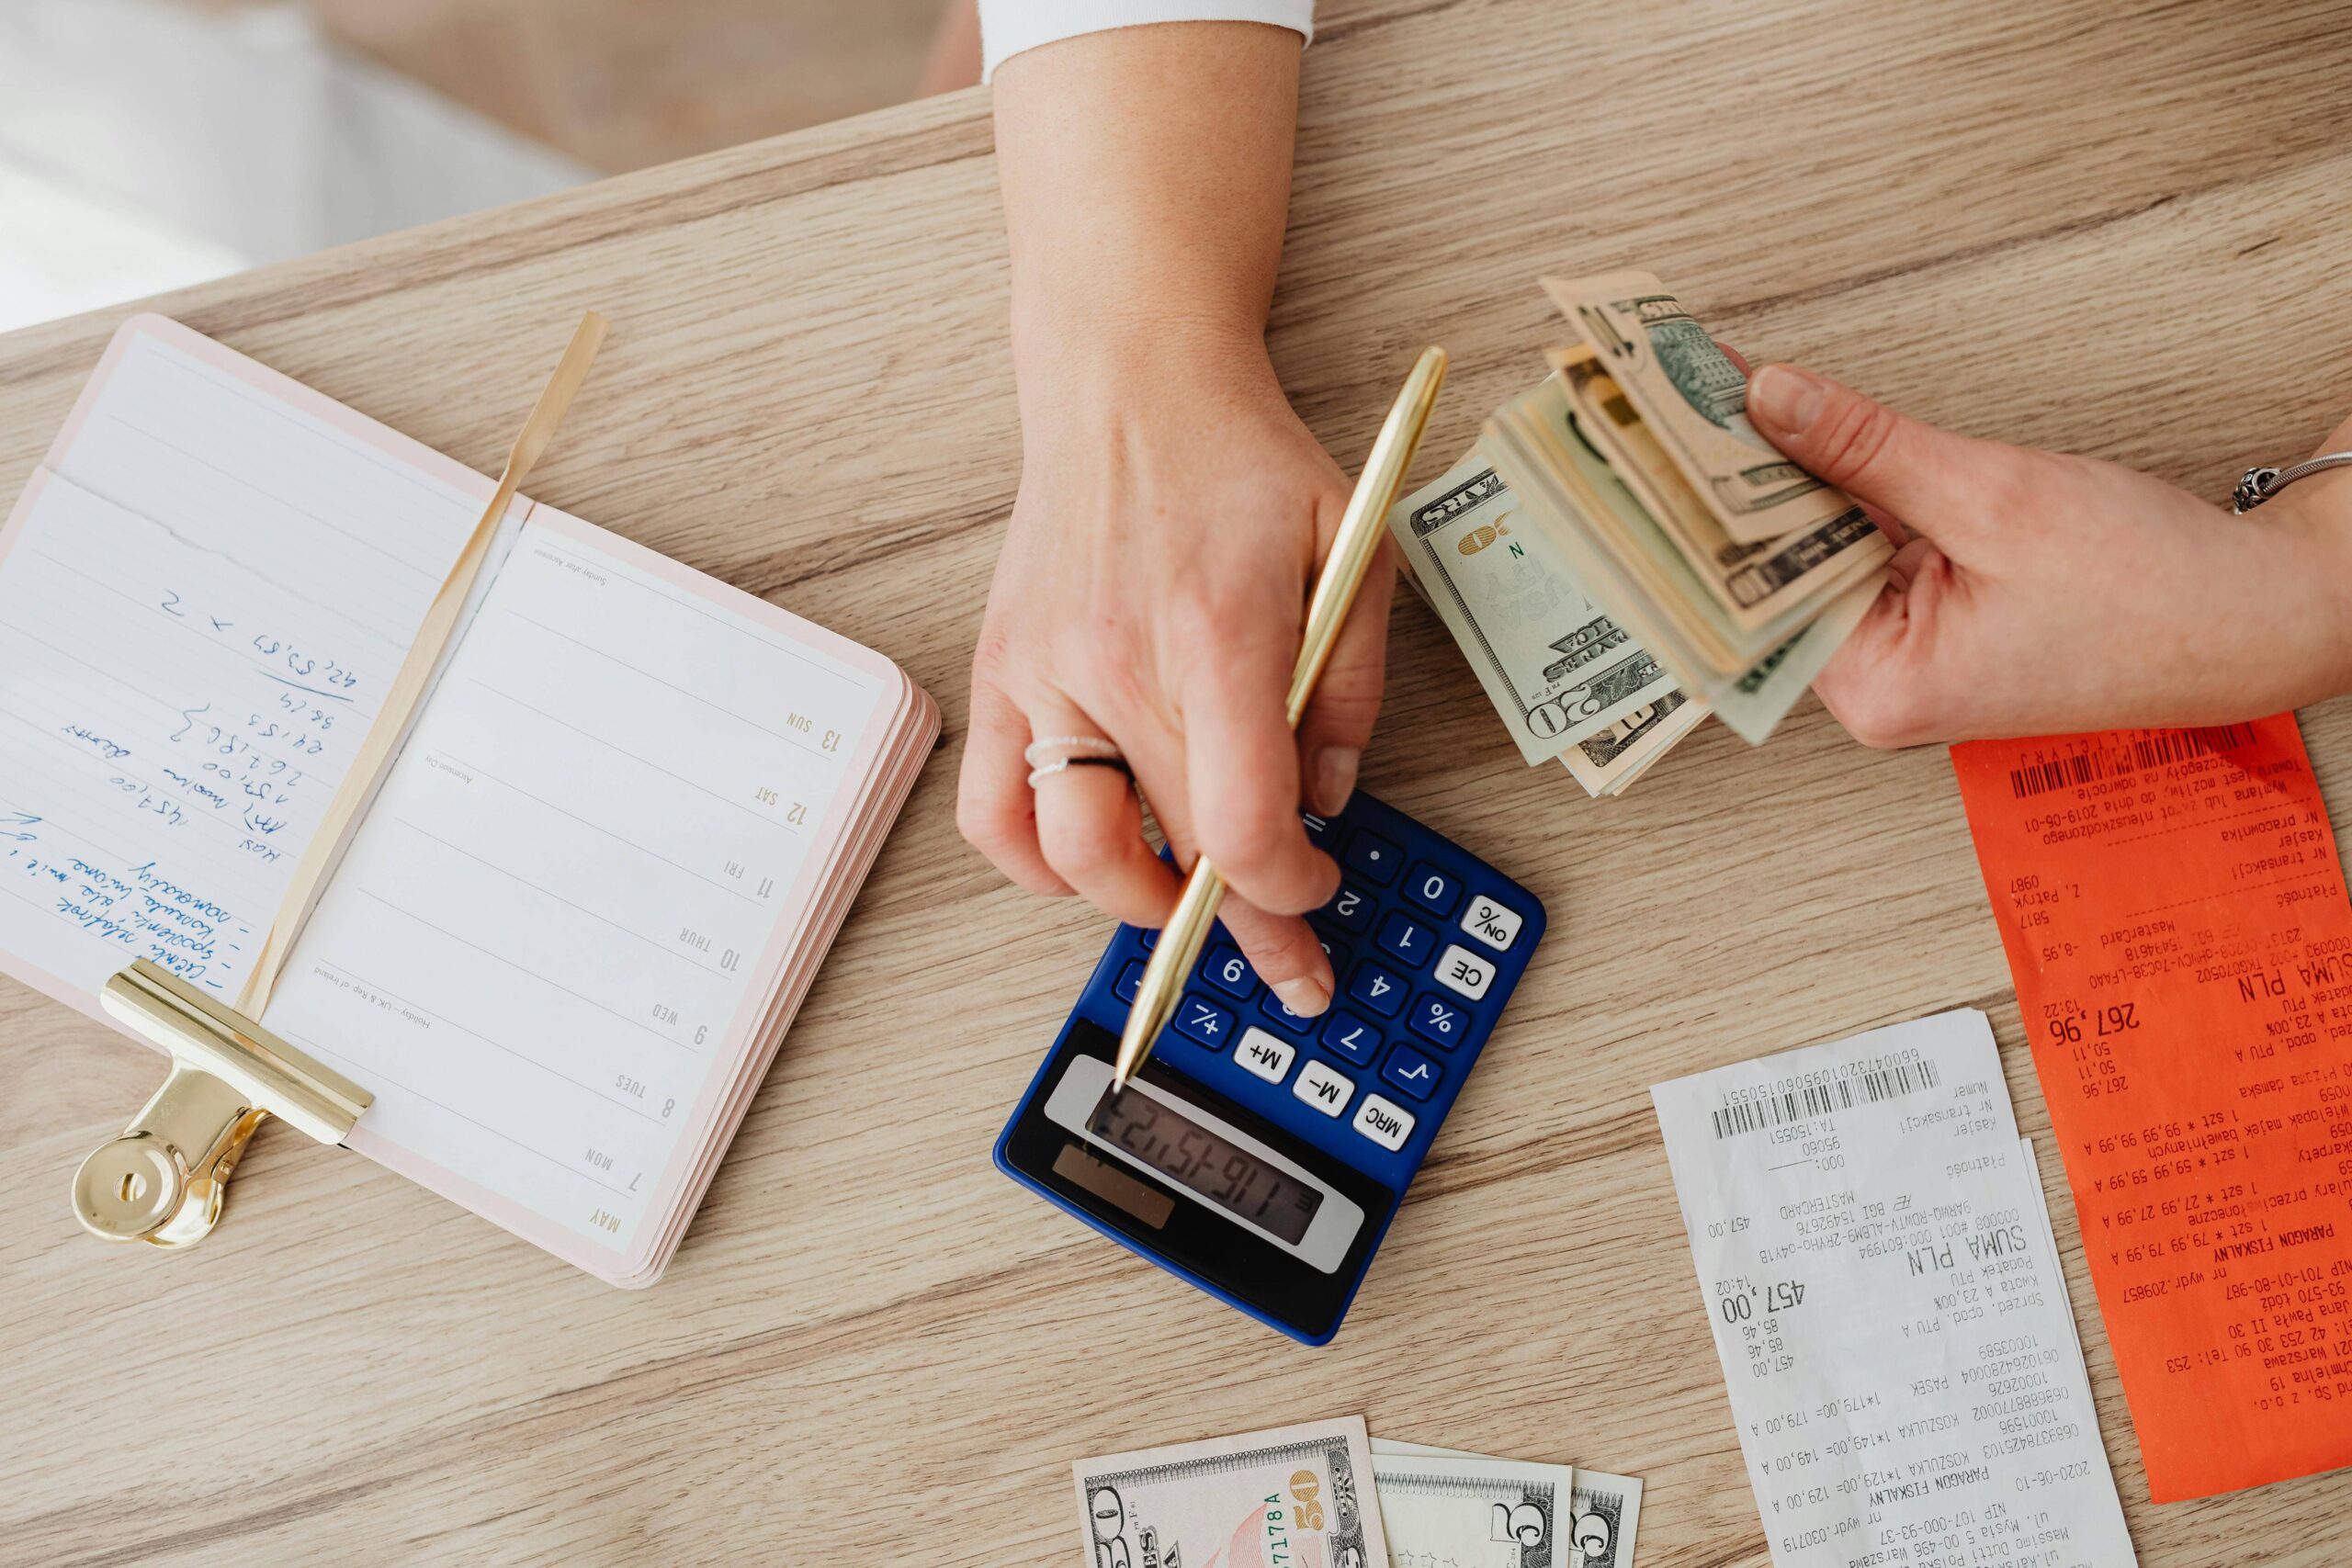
point(1259, 1153)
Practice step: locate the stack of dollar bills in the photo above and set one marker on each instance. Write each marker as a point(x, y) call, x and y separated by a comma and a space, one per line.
point(1328, 1493)
point(1622, 553)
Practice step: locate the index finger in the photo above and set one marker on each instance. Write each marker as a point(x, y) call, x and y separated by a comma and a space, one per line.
point(1241, 770)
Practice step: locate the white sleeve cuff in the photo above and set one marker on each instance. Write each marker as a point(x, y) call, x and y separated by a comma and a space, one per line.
point(1008, 27)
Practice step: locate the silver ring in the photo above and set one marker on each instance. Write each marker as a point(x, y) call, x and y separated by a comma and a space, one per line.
point(1037, 753)
point(1060, 753)
point(2258, 485)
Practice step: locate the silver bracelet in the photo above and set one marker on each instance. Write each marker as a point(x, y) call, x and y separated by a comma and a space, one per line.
point(2260, 484)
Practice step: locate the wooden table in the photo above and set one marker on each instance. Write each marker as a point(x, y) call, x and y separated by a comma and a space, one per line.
point(2115, 229)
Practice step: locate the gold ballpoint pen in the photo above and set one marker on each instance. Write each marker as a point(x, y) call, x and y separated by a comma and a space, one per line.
point(1326, 609)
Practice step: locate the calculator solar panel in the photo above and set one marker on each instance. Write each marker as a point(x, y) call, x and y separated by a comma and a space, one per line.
point(1261, 1155)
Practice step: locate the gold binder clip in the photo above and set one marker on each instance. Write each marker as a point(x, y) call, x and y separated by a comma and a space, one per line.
point(160, 1181)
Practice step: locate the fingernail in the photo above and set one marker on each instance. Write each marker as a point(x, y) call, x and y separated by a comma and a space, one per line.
point(1335, 779)
point(1303, 996)
point(1787, 397)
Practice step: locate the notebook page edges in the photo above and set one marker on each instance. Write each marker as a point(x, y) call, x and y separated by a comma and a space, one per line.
point(203, 597)
point(551, 942)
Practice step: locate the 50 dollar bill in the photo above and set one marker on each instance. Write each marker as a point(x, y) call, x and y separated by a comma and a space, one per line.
point(1292, 1497)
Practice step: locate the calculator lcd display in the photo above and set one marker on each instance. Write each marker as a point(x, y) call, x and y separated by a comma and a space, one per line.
point(1198, 1160)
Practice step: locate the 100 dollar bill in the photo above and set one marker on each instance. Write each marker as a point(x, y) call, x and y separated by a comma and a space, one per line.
point(1694, 400)
point(1293, 1497)
point(1557, 668)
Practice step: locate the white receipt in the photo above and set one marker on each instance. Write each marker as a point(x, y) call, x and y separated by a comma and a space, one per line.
point(1888, 1305)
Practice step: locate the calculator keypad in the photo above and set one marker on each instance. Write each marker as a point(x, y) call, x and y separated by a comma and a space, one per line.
point(1403, 1012)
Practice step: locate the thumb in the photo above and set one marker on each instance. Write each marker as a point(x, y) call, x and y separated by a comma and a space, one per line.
point(1925, 477)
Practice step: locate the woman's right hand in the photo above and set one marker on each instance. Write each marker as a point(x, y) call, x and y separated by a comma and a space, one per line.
point(1152, 592)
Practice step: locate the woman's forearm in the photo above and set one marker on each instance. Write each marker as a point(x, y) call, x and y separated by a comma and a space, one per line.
point(1151, 592)
point(1147, 175)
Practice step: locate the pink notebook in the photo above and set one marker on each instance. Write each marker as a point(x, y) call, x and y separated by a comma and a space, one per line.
point(572, 925)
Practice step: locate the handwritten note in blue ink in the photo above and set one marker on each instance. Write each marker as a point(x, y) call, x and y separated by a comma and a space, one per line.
point(202, 602)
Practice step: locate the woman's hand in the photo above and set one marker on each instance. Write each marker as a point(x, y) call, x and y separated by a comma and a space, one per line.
point(1152, 588)
point(2043, 595)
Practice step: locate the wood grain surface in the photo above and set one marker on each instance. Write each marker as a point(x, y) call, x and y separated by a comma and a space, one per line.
point(2113, 228)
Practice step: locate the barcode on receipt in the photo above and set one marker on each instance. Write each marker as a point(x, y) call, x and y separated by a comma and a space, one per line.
point(1801, 1103)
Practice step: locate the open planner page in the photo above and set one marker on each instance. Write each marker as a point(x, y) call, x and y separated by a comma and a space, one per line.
point(571, 923)
point(558, 931)
point(204, 595)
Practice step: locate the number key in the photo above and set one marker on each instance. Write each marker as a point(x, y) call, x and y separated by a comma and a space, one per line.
point(1378, 989)
point(1334, 951)
point(1408, 941)
point(1349, 909)
point(1229, 972)
point(1350, 1037)
point(1433, 891)
point(1271, 1006)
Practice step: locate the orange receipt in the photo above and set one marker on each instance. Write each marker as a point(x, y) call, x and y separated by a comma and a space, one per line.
point(2175, 917)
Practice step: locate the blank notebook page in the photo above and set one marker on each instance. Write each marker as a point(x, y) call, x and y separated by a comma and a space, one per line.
point(557, 930)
